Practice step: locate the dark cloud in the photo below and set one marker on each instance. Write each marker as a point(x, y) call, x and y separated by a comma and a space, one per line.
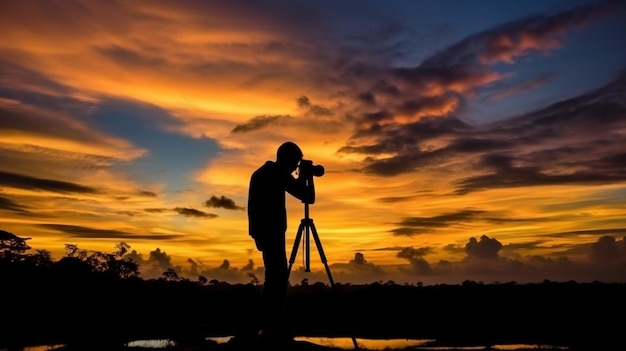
point(486, 248)
point(607, 250)
point(406, 163)
point(529, 246)
point(260, 122)
point(484, 263)
point(21, 181)
point(190, 212)
point(317, 110)
point(249, 266)
point(224, 272)
point(160, 258)
point(454, 248)
point(361, 264)
point(133, 58)
point(142, 193)
point(359, 258)
point(156, 210)
point(147, 193)
point(411, 252)
point(599, 232)
point(10, 205)
point(417, 262)
point(470, 145)
point(222, 202)
point(225, 265)
point(440, 105)
point(434, 78)
point(310, 117)
point(94, 233)
point(49, 94)
point(356, 269)
point(506, 90)
point(410, 145)
point(561, 144)
point(418, 225)
point(395, 199)
point(375, 117)
point(508, 177)
point(155, 265)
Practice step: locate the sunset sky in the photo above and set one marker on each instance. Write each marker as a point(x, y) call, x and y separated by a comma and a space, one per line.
point(462, 140)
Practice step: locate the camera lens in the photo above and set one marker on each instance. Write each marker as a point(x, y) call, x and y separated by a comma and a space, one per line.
point(318, 170)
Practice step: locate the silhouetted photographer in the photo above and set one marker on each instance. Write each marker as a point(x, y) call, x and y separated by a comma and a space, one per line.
point(267, 225)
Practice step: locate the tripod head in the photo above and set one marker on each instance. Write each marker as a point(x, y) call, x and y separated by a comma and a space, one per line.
point(306, 172)
point(308, 198)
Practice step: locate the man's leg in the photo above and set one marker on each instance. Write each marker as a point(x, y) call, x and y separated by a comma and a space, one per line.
point(274, 295)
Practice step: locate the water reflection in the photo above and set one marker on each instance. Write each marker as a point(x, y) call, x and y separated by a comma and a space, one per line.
point(152, 344)
point(41, 347)
point(415, 344)
point(340, 343)
point(526, 347)
point(369, 344)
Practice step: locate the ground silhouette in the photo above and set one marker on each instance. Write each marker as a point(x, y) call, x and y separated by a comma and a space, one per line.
point(88, 299)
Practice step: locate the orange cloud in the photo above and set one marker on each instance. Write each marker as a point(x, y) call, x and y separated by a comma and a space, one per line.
point(505, 47)
point(541, 34)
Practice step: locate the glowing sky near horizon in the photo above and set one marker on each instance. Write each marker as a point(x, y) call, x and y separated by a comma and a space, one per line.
point(461, 140)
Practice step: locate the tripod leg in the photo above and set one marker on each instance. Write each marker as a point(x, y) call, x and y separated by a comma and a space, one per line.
point(294, 250)
point(318, 243)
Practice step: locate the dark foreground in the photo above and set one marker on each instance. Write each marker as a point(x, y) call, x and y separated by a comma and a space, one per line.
point(297, 345)
point(98, 314)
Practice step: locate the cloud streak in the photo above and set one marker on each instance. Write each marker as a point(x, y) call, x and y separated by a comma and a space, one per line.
point(95, 233)
point(259, 122)
point(32, 183)
point(192, 212)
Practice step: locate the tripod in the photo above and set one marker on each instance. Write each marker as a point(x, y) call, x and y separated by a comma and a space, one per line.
point(307, 228)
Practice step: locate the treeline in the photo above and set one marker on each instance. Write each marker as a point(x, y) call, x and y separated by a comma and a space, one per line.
point(93, 297)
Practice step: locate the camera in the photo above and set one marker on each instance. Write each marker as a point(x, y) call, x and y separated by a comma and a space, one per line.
point(309, 170)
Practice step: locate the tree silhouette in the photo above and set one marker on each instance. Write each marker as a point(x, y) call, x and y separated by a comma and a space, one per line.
point(254, 280)
point(12, 247)
point(41, 258)
point(112, 264)
point(171, 275)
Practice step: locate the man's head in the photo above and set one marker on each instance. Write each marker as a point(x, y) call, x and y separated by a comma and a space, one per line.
point(289, 155)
